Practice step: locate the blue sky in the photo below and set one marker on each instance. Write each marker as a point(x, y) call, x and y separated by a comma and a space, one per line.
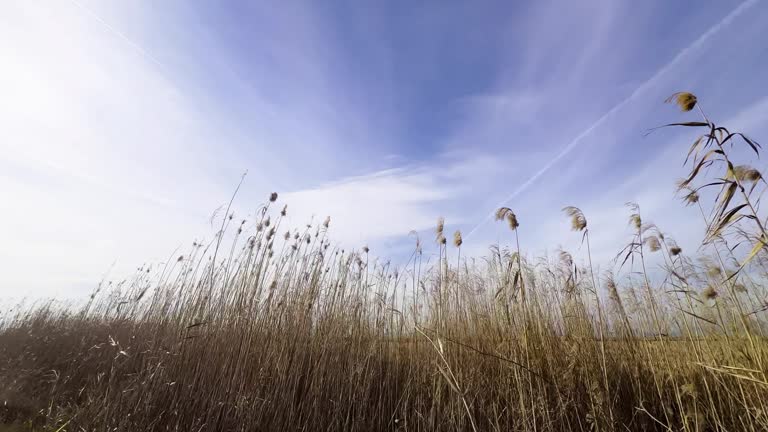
point(125, 124)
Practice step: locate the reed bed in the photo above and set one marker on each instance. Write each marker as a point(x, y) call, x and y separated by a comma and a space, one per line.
point(274, 329)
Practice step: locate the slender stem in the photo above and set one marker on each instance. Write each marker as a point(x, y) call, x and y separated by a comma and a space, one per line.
point(601, 324)
point(520, 268)
point(763, 238)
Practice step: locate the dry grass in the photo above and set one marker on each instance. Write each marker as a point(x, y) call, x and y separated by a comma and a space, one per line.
point(289, 333)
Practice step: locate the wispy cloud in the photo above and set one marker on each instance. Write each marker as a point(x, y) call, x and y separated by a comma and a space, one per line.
point(650, 82)
point(125, 125)
point(388, 204)
point(101, 154)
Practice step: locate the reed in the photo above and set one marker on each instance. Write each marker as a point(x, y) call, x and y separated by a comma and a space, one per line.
point(289, 332)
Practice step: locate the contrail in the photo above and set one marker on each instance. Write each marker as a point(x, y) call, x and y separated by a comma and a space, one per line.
point(644, 86)
point(118, 33)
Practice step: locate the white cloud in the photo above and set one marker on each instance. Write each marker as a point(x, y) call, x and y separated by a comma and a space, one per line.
point(387, 205)
point(100, 154)
point(106, 156)
point(117, 151)
point(608, 115)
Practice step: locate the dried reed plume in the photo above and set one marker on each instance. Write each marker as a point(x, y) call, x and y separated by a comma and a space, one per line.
point(686, 101)
point(578, 221)
point(709, 293)
point(440, 237)
point(691, 196)
point(745, 173)
point(457, 241)
point(505, 213)
point(304, 335)
point(653, 243)
point(634, 218)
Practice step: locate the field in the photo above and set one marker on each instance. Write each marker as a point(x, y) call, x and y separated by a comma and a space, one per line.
point(282, 330)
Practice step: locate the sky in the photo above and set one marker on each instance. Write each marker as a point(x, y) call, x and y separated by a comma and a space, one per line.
point(124, 125)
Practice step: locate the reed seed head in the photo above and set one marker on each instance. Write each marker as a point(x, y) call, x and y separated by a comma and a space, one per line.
point(505, 213)
point(745, 174)
point(686, 101)
point(578, 221)
point(653, 243)
point(709, 293)
point(457, 241)
point(692, 197)
point(634, 218)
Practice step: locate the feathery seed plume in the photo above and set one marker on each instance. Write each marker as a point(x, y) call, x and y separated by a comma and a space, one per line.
point(709, 293)
point(745, 173)
point(507, 213)
point(457, 241)
point(653, 243)
point(686, 101)
point(578, 221)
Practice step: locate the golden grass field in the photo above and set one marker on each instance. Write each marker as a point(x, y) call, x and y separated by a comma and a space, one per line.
point(284, 331)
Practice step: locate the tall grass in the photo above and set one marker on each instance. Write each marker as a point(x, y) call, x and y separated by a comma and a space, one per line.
point(287, 332)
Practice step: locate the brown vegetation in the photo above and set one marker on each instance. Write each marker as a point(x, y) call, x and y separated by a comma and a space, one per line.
point(295, 334)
